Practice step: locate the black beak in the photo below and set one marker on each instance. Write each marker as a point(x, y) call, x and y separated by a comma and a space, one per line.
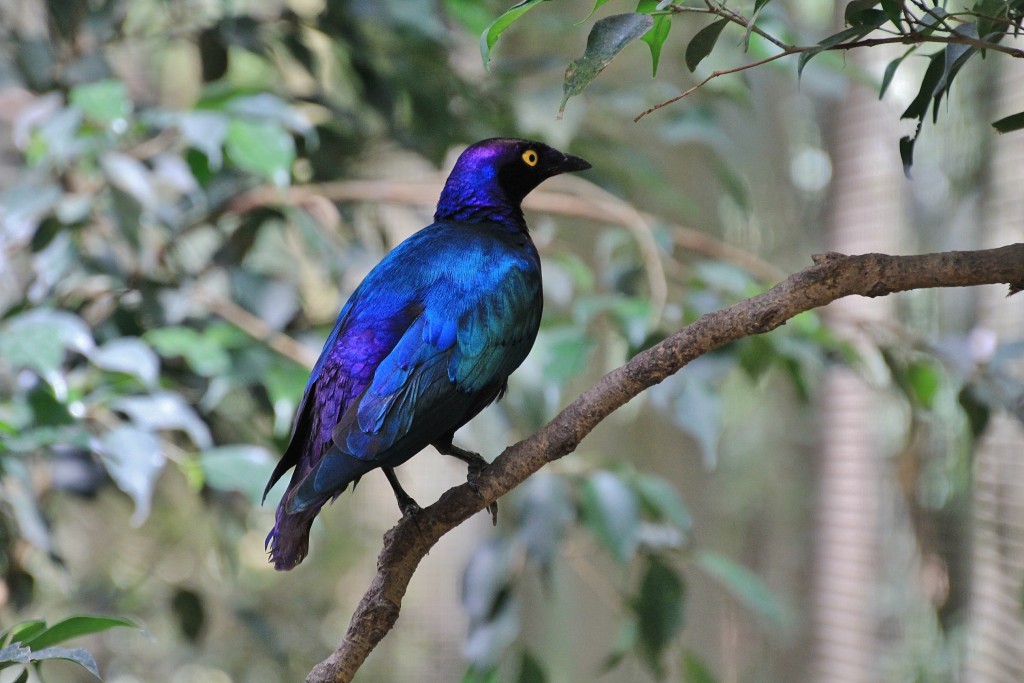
point(569, 164)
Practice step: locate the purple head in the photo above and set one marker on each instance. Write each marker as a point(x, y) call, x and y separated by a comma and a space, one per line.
point(491, 178)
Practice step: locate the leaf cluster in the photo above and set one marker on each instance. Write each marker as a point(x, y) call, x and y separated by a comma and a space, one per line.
point(30, 643)
point(962, 35)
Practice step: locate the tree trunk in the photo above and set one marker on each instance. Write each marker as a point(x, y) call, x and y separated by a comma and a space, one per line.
point(867, 215)
point(996, 647)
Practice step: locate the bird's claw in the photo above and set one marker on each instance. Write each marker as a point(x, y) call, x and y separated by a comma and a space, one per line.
point(410, 510)
point(475, 468)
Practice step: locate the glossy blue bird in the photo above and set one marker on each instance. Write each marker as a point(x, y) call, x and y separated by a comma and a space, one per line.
point(425, 342)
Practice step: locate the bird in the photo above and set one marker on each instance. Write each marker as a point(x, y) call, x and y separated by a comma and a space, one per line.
point(425, 342)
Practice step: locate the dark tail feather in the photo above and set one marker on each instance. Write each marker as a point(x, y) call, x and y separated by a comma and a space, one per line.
point(288, 542)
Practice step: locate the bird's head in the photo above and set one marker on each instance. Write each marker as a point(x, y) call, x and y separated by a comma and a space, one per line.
point(491, 178)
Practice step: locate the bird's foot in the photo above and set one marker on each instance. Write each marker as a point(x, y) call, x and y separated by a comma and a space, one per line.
point(409, 507)
point(475, 468)
point(476, 464)
point(410, 510)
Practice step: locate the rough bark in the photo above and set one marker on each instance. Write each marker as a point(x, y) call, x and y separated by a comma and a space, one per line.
point(832, 277)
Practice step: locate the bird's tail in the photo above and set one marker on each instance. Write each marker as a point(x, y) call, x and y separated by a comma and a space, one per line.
point(288, 542)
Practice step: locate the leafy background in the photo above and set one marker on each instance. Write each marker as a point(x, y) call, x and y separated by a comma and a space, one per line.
point(190, 190)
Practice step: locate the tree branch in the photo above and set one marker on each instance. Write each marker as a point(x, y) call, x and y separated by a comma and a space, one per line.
point(832, 277)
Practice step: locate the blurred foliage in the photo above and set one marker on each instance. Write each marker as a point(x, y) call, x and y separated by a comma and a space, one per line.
point(152, 256)
point(959, 34)
point(27, 644)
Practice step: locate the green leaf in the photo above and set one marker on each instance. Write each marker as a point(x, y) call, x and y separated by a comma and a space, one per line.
point(746, 587)
point(202, 351)
point(78, 655)
point(493, 32)
point(263, 148)
point(956, 56)
point(975, 409)
point(661, 498)
point(475, 675)
point(165, 410)
point(285, 383)
point(862, 12)
point(625, 641)
point(530, 669)
point(33, 642)
point(103, 101)
point(698, 412)
point(725, 277)
point(205, 131)
point(695, 671)
point(894, 12)
point(490, 603)
point(20, 499)
point(924, 378)
point(756, 355)
point(23, 631)
point(758, 6)
point(544, 510)
point(703, 43)
point(907, 151)
point(989, 14)
point(919, 106)
point(485, 581)
point(566, 352)
point(630, 314)
point(607, 38)
point(655, 38)
point(134, 460)
point(597, 6)
point(73, 627)
point(271, 109)
point(39, 338)
point(659, 609)
point(611, 512)
point(890, 71)
point(1009, 123)
point(129, 355)
point(932, 18)
point(848, 35)
point(474, 16)
point(244, 468)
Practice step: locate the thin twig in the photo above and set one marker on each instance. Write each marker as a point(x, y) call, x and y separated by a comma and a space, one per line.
point(713, 75)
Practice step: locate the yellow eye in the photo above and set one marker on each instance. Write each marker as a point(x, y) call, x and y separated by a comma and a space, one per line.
point(530, 157)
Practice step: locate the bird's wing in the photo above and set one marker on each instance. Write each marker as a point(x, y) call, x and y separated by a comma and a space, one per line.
point(442, 371)
point(357, 343)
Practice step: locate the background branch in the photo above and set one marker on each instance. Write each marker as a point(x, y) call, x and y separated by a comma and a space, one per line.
point(832, 277)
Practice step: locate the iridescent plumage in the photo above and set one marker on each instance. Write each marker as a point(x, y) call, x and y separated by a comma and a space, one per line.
point(425, 342)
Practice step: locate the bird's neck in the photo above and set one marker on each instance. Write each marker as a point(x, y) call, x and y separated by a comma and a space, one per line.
point(467, 204)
